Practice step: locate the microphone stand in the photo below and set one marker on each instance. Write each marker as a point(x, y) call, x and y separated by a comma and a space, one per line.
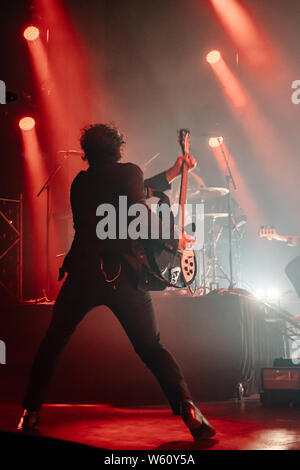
point(229, 179)
point(46, 186)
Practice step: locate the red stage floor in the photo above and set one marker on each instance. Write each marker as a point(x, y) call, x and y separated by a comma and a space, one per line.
point(239, 425)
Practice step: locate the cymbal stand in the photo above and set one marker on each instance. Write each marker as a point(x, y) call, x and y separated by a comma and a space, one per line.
point(213, 263)
point(229, 179)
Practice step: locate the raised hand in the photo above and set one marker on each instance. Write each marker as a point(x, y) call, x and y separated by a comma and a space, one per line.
point(175, 170)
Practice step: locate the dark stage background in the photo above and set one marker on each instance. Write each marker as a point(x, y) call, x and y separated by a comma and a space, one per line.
point(147, 72)
point(142, 65)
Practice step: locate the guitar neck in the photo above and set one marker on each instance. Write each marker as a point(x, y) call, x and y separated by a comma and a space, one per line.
point(290, 240)
point(184, 142)
point(281, 238)
point(183, 195)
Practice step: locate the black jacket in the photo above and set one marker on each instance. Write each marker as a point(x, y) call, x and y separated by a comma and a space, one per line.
point(105, 184)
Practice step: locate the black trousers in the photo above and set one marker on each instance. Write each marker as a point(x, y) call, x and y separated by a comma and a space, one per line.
point(133, 308)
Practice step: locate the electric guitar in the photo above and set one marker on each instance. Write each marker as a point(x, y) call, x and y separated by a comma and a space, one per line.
point(177, 269)
point(271, 234)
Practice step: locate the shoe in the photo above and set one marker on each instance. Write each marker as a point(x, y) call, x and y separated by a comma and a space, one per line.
point(29, 423)
point(198, 425)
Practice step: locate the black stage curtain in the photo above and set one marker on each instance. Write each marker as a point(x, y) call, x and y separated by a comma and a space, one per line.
point(222, 339)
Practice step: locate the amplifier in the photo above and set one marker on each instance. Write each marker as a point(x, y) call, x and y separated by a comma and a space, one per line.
point(280, 385)
point(281, 378)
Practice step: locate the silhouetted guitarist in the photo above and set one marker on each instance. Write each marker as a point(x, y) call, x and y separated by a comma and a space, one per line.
point(106, 272)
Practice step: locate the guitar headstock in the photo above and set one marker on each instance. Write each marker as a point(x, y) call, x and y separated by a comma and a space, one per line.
point(267, 232)
point(184, 139)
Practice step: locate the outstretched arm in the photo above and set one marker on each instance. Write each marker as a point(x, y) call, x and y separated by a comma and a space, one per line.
point(175, 170)
point(161, 182)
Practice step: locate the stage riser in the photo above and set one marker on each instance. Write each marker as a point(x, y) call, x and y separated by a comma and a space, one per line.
point(218, 340)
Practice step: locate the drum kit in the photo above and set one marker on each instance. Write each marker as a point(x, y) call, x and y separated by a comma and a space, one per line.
point(218, 220)
point(211, 275)
point(219, 224)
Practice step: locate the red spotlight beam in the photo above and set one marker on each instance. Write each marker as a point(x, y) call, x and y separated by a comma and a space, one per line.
point(51, 94)
point(243, 31)
point(40, 62)
point(35, 173)
point(269, 150)
point(243, 195)
point(230, 84)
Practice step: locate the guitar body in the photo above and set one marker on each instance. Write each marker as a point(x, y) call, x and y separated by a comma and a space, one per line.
point(177, 269)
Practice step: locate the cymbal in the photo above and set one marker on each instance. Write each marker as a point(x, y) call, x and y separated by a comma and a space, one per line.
point(205, 194)
point(216, 215)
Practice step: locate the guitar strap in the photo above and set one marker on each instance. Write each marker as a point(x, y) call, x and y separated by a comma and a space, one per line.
point(148, 278)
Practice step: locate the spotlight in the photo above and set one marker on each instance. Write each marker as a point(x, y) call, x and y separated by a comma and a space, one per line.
point(213, 57)
point(215, 141)
point(273, 294)
point(26, 123)
point(259, 293)
point(268, 294)
point(31, 33)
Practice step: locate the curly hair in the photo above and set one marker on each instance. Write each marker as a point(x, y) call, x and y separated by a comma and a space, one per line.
point(101, 143)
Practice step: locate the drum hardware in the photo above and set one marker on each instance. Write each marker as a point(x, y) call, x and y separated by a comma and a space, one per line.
point(216, 215)
point(207, 262)
point(213, 263)
point(229, 180)
point(212, 270)
point(209, 272)
point(207, 193)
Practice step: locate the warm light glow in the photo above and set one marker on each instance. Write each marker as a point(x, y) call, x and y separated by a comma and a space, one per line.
point(244, 196)
point(31, 33)
point(26, 123)
point(259, 294)
point(271, 294)
point(35, 175)
point(213, 57)
point(242, 29)
point(215, 141)
point(230, 84)
point(58, 85)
